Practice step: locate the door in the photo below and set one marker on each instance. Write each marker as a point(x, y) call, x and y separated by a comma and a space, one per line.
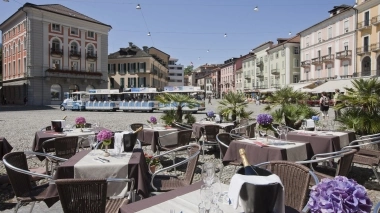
point(366, 18)
point(366, 43)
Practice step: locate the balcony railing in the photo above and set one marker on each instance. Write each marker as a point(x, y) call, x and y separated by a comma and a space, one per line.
point(362, 50)
point(260, 75)
point(275, 72)
point(69, 74)
point(247, 76)
point(306, 63)
point(364, 24)
point(328, 58)
point(75, 54)
point(316, 61)
point(367, 73)
point(259, 63)
point(56, 51)
point(375, 47)
point(344, 54)
point(375, 20)
point(91, 56)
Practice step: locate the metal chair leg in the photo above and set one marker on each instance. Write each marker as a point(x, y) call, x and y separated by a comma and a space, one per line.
point(17, 206)
point(31, 208)
point(374, 168)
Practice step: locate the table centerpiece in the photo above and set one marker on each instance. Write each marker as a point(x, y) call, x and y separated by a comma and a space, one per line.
point(80, 122)
point(105, 136)
point(210, 116)
point(152, 121)
point(265, 123)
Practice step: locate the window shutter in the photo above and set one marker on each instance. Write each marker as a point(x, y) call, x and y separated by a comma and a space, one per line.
point(118, 68)
point(134, 82)
point(129, 69)
point(144, 81)
point(125, 67)
point(138, 67)
point(109, 68)
point(144, 66)
point(134, 67)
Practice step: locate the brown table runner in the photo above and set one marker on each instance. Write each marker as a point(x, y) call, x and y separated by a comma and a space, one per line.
point(320, 143)
point(256, 154)
point(151, 137)
point(137, 169)
point(5, 147)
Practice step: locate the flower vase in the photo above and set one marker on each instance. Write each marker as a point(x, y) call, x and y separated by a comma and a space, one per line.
point(153, 169)
point(106, 153)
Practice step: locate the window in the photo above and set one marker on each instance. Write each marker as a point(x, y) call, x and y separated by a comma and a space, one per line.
point(329, 74)
point(25, 65)
point(112, 83)
point(329, 32)
point(307, 41)
point(19, 45)
point(90, 50)
point(18, 28)
point(55, 91)
point(74, 65)
point(295, 79)
point(74, 48)
point(346, 26)
point(91, 67)
point(276, 54)
point(345, 69)
point(318, 72)
point(282, 52)
point(296, 50)
point(90, 34)
point(56, 64)
point(319, 53)
point(74, 31)
point(319, 37)
point(345, 45)
point(56, 45)
point(366, 18)
point(19, 67)
point(329, 51)
point(56, 27)
point(179, 68)
point(122, 83)
point(24, 43)
point(24, 24)
point(296, 63)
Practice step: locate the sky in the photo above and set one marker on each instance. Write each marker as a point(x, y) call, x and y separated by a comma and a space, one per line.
point(193, 30)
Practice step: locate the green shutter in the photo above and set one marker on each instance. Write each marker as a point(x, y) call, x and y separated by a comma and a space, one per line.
point(118, 68)
point(138, 67)
point(125, 67)
point(129, 67)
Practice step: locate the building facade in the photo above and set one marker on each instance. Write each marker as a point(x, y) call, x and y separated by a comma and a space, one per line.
point(262, 72)
point(227, 75)
point(134, 67)
point(328, 47)
point(49, 50)
point(284, 61)
point(368, 38)
point(176, 76)
point(248, 68)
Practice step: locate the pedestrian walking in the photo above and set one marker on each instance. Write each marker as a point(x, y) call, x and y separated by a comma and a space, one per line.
point(337, 101)
point(209, 99)
point(324, 105)
point(25, 100)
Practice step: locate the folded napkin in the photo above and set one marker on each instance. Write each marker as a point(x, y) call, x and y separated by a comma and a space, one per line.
point(119, 141)
point(260, 144)
point(238, 180)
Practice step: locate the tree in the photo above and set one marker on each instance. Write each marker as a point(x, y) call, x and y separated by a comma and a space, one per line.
point(234, 104)
point(188, 70)
point(179, 100)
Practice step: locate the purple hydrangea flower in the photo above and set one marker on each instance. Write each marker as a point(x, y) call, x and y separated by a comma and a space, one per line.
point(264, 119)
point(104, 135)
point(153, 120)
point(315, 118)
point(80, 120)
point(210, 114)
point(339, 195)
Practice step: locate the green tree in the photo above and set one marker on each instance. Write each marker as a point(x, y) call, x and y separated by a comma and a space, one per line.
point(360, 106)
point(234, 105)
point(180, 100)
point(188, 70)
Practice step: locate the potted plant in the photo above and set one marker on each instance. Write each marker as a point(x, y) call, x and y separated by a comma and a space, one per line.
point(339, 194)
point(151, 162)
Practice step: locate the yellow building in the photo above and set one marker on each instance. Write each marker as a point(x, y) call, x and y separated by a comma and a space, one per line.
point(368, 38)
point(134, 67)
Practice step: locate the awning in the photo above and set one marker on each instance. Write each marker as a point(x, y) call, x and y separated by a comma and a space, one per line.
point(268, 90)
point(331, 85)
point(300, 85)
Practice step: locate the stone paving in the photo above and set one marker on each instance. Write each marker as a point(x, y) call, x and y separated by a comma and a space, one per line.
point(18, 125)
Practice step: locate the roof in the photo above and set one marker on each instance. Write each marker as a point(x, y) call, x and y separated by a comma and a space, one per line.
point(348, 9)
point(129, 52)
point(294, 39)
point(268, 42)
point(61, 10)
point(159, 50)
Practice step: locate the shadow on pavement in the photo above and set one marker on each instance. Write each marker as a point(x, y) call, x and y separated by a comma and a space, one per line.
point(26, 108)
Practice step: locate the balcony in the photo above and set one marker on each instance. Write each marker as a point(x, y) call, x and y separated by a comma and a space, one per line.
point(259, 63)
point(306, 63)
point(364, 25)
point(275, 86)
point(75, 54)
point(375, 20)
point(275, 72)
point(316, 61)
point(247, 76)
point(91, 56)
point(71, 74)
point(362, 50)
point(111, 72)
point(328, 58)
point(343, 54)
point(296, 72)
point(56, 52)
point(168, 79)
point(260, 75)
point(375, 47)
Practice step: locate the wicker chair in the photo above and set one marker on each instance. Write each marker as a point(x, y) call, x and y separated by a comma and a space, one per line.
point(295, 179)
point(224, 140)
point(63, 147)
point(343, 167)
point(367, 157)
point(20, 177)
point(162, 183)
point(83, 195)
point(209, 133)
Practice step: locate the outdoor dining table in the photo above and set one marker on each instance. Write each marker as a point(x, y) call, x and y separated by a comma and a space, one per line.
point(323, 141)
point(185, 199)
point(257, 152)
point(150, 135)
point(5, 147)
point(82, 165)
point(198, 126)
point(42, 136)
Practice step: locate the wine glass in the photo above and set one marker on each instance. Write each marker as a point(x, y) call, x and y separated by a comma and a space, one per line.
point(217, 190)
point(284, 131)
point(208, 173)
point(332, 123)
point(206, 196)
point(68, 127)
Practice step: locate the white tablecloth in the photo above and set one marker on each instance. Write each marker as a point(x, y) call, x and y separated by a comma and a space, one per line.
point(188, 203)
point(90, 168)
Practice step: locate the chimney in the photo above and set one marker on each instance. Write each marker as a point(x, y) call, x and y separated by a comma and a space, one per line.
point(145, 48)
point(130, 44)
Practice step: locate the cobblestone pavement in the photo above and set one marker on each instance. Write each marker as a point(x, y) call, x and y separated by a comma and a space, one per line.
point(18, 125)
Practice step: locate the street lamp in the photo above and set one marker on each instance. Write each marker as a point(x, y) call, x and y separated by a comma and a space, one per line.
point(137, 7)
point(256, 8)
point(148, 34)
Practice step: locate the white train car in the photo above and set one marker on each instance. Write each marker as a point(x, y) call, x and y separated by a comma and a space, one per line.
point(139, 99)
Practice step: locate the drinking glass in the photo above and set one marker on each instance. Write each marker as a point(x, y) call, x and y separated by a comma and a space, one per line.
point(68, 127)
point(118, 149)
point(303, 125)
point(217, 190)
point(332, 123)
point(285, 132)
point(206, 196)
point(208, 173)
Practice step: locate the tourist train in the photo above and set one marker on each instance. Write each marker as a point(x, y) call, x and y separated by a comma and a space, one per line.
point(130, 100)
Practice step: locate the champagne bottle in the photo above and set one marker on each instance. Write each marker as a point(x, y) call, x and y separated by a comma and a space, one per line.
point(137, 130)
point(64, 118)
point(248, 169)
